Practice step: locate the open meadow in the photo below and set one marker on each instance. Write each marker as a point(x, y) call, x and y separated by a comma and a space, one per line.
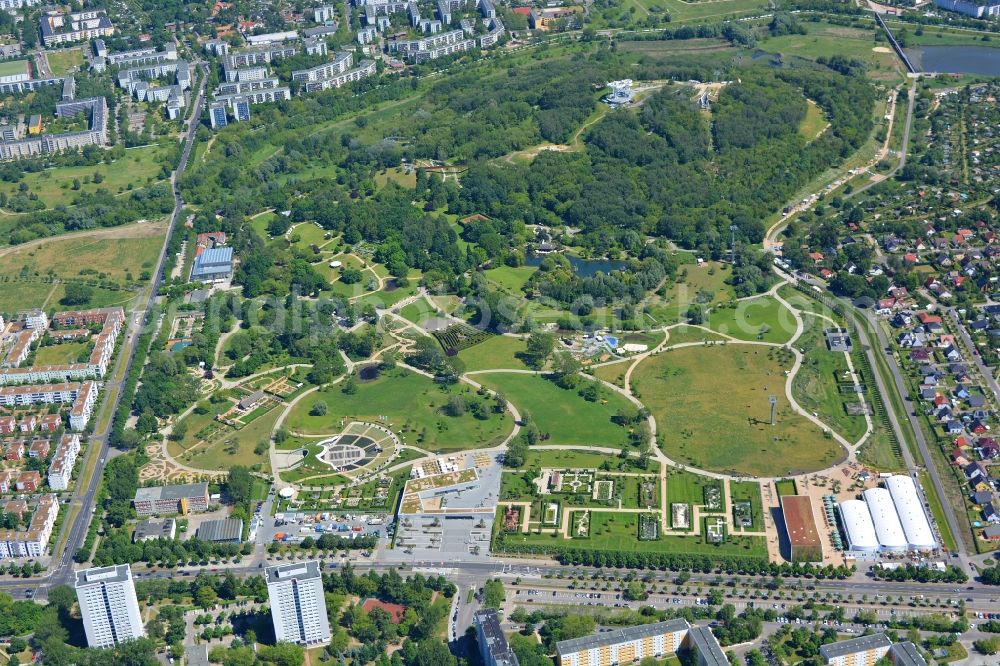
point(415, 409)
point(711, 404)
point(561, 414)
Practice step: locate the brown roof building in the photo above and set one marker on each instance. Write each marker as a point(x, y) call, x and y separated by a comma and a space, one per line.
point(800, 525)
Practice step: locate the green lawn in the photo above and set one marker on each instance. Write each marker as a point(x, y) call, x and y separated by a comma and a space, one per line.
point(813, 123)
point(61, 60)
point(785, 487)
point(618, 532)
point(561, 414)
point(702, 284)
point(500, 351)
point(564, 459)
point(414, 405)
point(685, 333)
point(15, 296)
point(140, 167)
point(13, 67)
point(749, 490)
point(60, 354)
point(613, 373)
point(711, 404)
point(223, 446)
point(687, 487)
point(762, 318)
point(510, 278)
point(824, 38)
point(681, 10)
point(306, 234)
point(816, 385)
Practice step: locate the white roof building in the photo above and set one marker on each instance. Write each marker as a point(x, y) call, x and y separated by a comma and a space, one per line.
point(912, 517)
point(858, 525)
point(886, 521)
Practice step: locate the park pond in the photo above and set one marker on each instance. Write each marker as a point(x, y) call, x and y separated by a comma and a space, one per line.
point(583, 267)
point(956, 59)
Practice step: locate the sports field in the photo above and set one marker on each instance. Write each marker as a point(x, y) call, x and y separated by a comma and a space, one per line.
point(14, 67)
point(561, 414)
point(61, 60)
point(415, 407)
point(711, 404)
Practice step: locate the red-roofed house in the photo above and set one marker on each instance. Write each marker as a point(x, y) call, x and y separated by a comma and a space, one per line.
point(816, 257)
point(51, 422)
point(928, 318)
point(8, 424)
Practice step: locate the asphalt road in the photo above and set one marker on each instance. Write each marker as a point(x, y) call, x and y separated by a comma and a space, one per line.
point(63, 573)
point(970, 347)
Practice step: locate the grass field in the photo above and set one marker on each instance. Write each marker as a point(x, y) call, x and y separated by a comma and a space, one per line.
point(613, 373)
point(560, 413)
point(61, 60)
point(230, 447)
point(816, 385)
point(140, 167)
point(704, 284)
point(500, 351)
point(510, 278)
point(134, 249)
point(762, 318)
point(13, 67)
point(749, 490)
point(16, 296)
point(414, 407)
point(681, 11)
point(60, 354)
point(824, 38)
point(785, 487)
point(685, 333)
point(937, 511)
point(711, 403)
point(564, 459)
point(813, 123)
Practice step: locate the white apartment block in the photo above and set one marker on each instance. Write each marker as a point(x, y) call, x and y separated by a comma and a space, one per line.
point(59, 28)
point(34, 319)
point(18, 4)
point(83, 395)
point(61, 467)
point(108, 605)
point(340, 64)
point(364, 69)
point(298, 607)
point(33, 541)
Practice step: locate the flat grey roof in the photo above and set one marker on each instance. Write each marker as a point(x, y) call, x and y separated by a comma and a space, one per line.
point(226, 529)
point(620, 636)
point(196, 655)
point(154, 528)
point(906, 654)
point(171, 492)
point(852, 645)
point(707, 645)
point(118, 573)
point(293, 571)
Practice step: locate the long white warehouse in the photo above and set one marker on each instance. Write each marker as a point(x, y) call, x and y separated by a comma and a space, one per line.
point(916, 526)
point(887, 526)
point(859, 527)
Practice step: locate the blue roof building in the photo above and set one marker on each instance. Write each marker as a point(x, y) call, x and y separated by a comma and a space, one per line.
point(213, 265)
